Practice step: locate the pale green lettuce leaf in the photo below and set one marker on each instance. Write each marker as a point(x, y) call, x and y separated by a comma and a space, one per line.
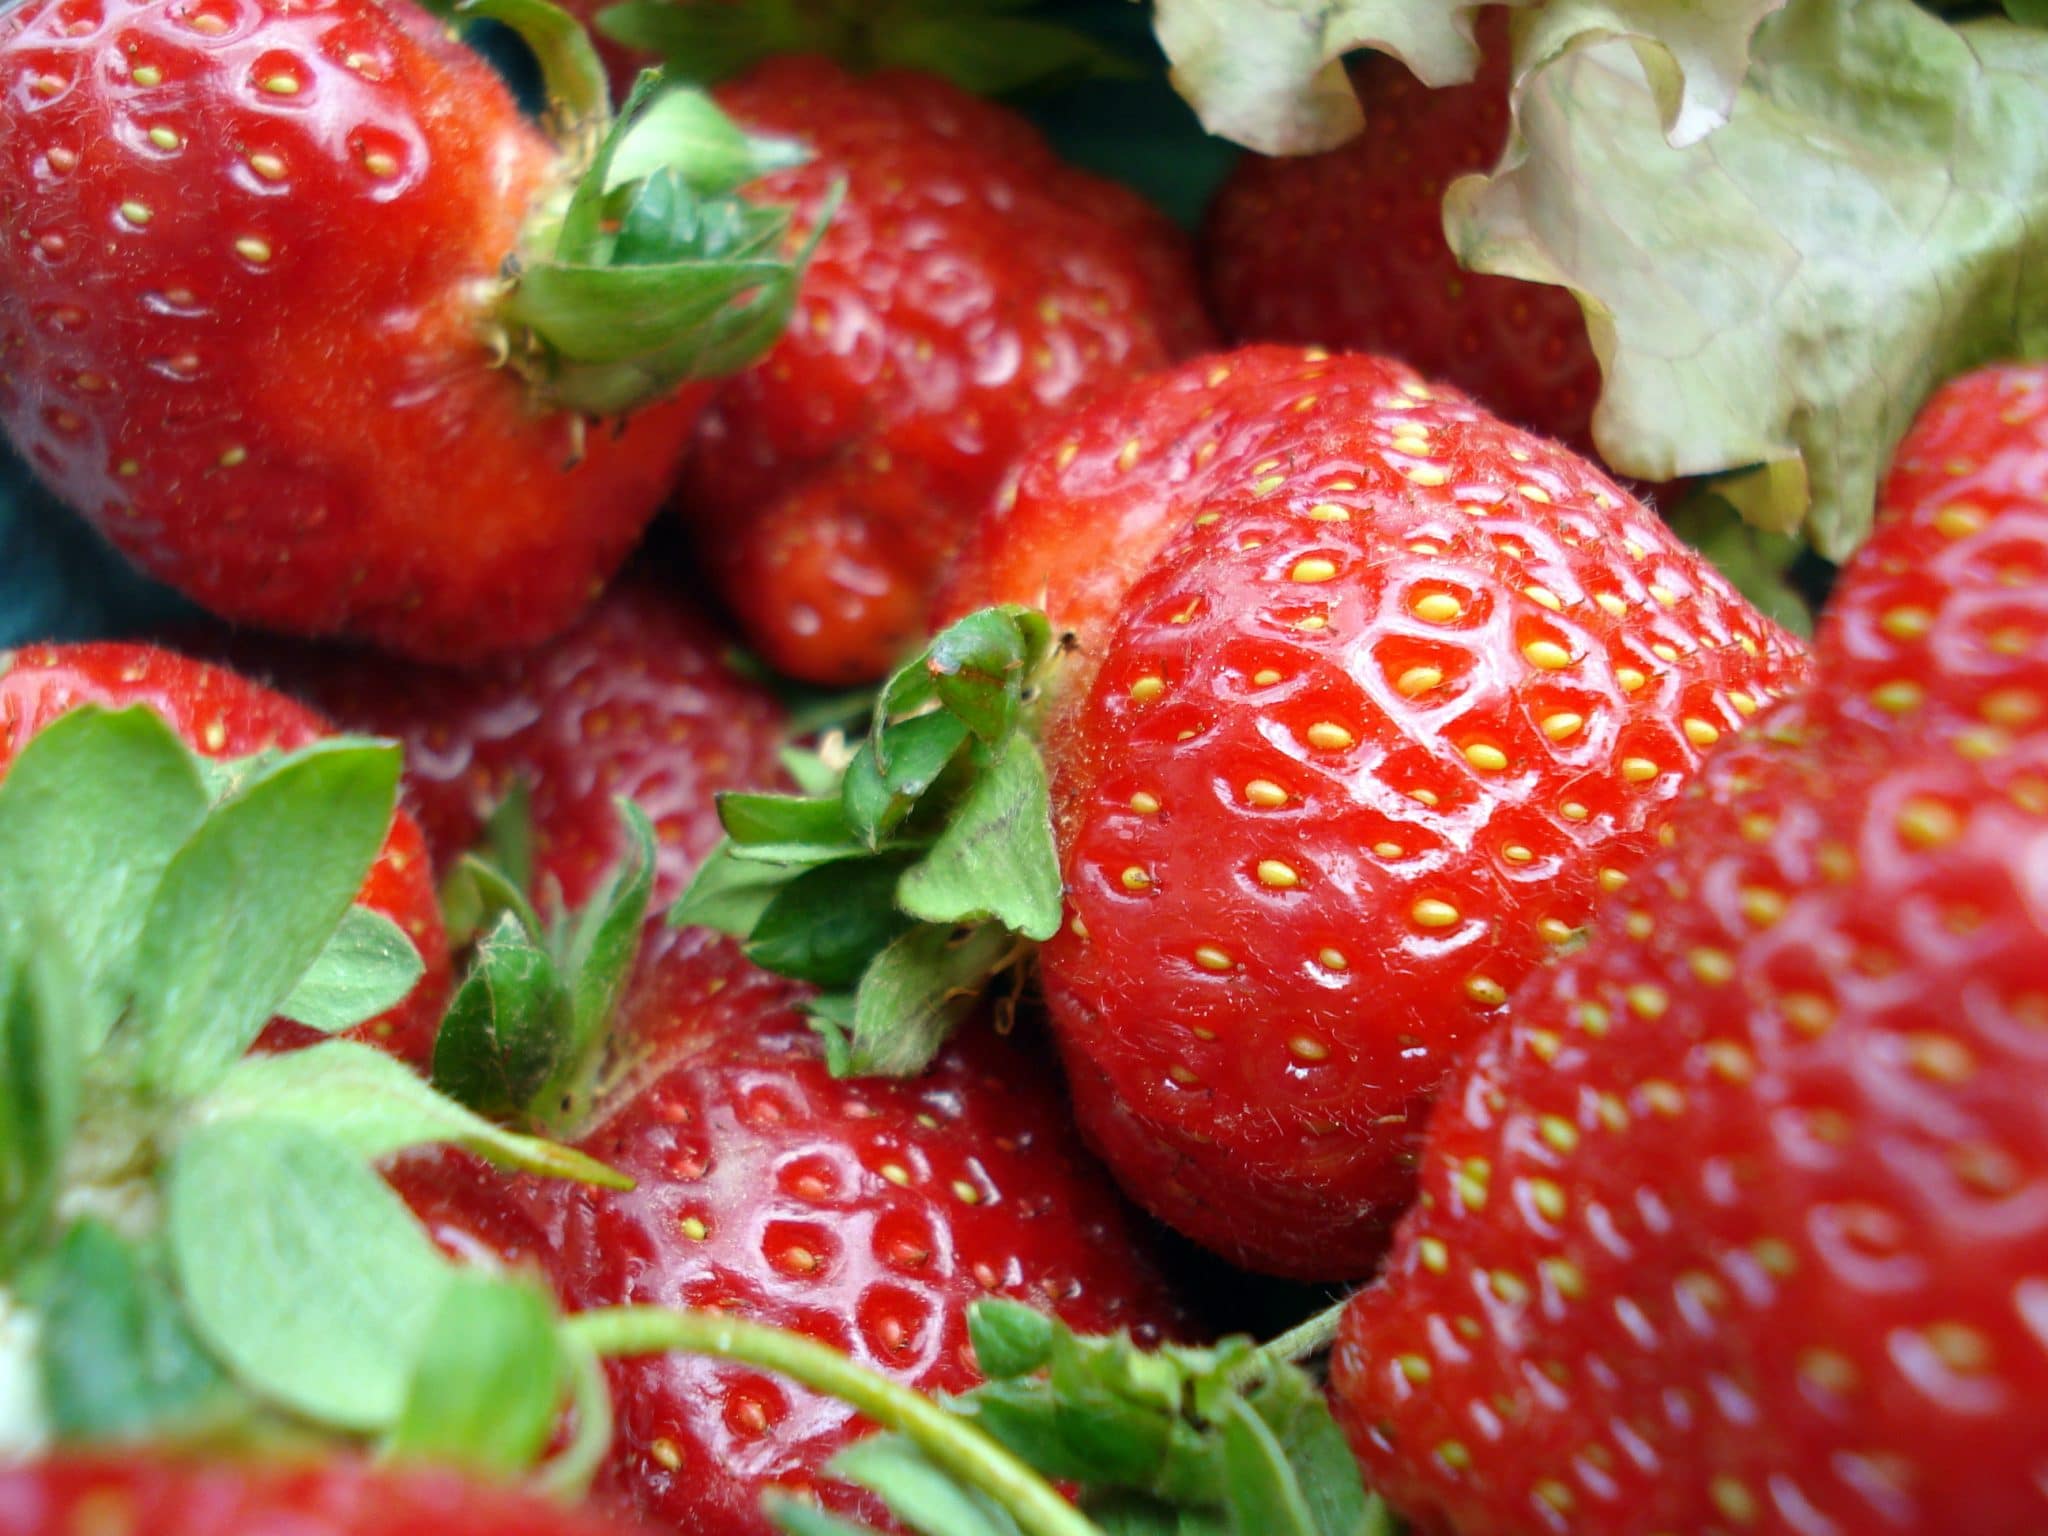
point(1269, 74)
point(1782, 296)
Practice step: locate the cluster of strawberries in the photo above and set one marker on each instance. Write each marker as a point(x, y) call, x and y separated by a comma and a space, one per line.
point(1397, 760)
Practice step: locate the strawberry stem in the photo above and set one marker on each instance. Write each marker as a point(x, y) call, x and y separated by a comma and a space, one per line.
point(947, 1439)
point(1308, 1338)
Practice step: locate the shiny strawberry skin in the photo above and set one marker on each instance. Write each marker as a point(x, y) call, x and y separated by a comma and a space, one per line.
point(865, 1213)
point(1941, 620)
point(1399, 693)
point(636, 700)
point(1741, 1224)
point(135, 1493)
point(969, 284)
point(222, 714)
point(244, 282)
point(1346, 249)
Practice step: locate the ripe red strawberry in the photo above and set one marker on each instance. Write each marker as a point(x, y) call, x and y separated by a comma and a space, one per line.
point(635, 700)
point(148, 1494)
point(1944, 612)
point(868, 1214)
point(1740, 1225)
point(969, 284)
point(224, 715)
point(263, 272)
point(1399, 691)
point(1346, 249)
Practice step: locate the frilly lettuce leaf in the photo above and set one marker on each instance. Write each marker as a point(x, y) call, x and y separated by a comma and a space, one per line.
point(1781, 296)
point(1270, 75)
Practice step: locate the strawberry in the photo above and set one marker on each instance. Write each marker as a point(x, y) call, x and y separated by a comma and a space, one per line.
point(1738, 1226)
point(225, 716)
point(167, 1496)
point(969, 284)
point(1376, 696)
point(867, 1214)
point(635, 700)
point(1945, 609)
point(1346, 249)
point(310, 321)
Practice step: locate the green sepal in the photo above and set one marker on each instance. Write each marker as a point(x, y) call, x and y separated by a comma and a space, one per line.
point(92, 811)
point(44, 1023)
point(368, 968)
point(579, 95)
point(302, 1271)
point(487, 1387)
point(373, 1104)
point(1757, 562)
point(919, 1493)
point(116, 1357)
point(283, 857)
point(902, 884)
point(495, 874)
point(508, 1026)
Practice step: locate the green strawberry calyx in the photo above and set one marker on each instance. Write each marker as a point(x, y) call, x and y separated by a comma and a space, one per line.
point(649, 270)
point(194, 1242)
point(910, 876)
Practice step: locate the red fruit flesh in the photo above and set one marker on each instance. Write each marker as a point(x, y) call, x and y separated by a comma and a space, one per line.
point(1741, 1224)
point(636, 700)
point(1346, 249)
point(1401, 691)
point(150, 1495)
point(224, 715)
point(969, 284)
point(869, 1214)
point(249, 258)
point(1941, 621)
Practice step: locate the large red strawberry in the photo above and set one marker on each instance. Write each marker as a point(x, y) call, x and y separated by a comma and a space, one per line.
point(1942, 618)
point(868, 1214)
point(969, 284)
point(635, 700)
point(151, 1494)
point(298, 308)
point(1741, 1224)
point(1346, 249)
point(1376, 696)
point(224, 716)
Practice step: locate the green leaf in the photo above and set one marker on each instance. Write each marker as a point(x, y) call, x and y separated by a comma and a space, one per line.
point(812, 774)
point(508, 1027)
point(2028, 13)
point(373, 1105)
point(249, 903)
point(728, 894)
point(576, 85)
point(980, 665)
point(478, 893)
point(596, 957)
point(708, 43)
point(488, 1385)
point(683, 132)
point(1269, 73)
point(766, 819)
point(996, 55)
point(916, 993)
point(1758, 563)
point(828, 923)
point(919, 1494)
point(1787, 293)
point(1261, 1490)
point(507, 841)
point(92, 811)
point(367, 968)
point(800, 1517)
point(43, 1038)
point(302, 1270)
point(116, 1359)
point(1009, 1338)
point(874, 802)
point(995, 861)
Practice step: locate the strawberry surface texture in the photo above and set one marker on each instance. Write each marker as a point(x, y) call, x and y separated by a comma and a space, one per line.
point(224, 715)
point(246, 320)
point(1375, 697)
point(868, 1214)
point(969, 283)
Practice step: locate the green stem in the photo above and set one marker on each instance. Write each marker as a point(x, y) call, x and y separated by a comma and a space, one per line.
point(950, 1441)
point(567, 1476)
point(1308, 1338)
